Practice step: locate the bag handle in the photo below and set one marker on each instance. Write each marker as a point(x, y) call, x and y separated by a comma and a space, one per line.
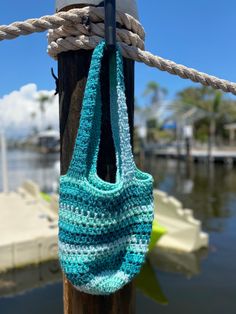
point(78, 164)
point(119, 117)
point(84, 159)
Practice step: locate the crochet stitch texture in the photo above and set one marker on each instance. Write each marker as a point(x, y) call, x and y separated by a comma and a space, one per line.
point(104, 228)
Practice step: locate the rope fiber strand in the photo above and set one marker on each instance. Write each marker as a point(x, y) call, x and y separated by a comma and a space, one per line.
point(84, 29)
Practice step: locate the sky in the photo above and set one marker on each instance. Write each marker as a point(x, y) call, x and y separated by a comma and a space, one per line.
point(20, 113)
point(199, 34)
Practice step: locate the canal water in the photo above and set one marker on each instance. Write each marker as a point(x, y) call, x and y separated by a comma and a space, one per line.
point(204, 282)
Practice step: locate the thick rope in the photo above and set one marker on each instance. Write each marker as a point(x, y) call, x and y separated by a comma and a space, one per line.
point(84, 29)
point(97, 29)
point(69, 18)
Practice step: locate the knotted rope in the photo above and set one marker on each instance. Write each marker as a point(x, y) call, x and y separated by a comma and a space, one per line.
point(84, 28)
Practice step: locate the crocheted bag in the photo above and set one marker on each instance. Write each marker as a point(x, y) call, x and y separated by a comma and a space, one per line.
point(104, 228)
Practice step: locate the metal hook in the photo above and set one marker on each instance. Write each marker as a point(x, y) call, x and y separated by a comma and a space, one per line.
point(110, 24)
point(56, 81)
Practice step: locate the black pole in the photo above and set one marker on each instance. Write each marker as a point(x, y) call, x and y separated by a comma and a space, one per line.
point(110, 23)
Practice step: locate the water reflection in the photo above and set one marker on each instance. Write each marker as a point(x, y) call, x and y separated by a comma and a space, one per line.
point(208, 190)
point(20, 281)
point(148, 283)
point(187, 264)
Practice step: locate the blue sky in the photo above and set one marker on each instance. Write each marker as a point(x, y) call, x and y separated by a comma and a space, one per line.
point(200, 34)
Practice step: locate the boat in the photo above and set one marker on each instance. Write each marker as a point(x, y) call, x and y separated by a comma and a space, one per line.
point(45, 142)
point(183, 232)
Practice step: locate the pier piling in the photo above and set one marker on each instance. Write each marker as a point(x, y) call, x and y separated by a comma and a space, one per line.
point(73, 69)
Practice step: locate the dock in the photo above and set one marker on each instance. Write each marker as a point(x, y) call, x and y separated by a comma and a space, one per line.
point(28, 228)
point(197, 155)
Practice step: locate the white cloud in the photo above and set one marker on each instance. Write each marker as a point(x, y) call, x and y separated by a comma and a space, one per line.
point(16, 111)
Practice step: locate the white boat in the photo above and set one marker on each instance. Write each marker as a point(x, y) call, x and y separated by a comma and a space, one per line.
point(183, 232)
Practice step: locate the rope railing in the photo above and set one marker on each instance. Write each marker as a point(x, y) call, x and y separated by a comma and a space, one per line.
point(84, 28)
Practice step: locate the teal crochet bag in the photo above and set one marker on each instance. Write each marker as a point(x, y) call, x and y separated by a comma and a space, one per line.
point(104, 228)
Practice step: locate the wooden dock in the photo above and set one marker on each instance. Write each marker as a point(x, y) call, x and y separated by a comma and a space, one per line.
point(28, 228)
point(227, 156)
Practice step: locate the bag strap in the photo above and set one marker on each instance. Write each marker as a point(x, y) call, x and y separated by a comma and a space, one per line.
point(84, 159)
point(78, 164)
point(119, 117)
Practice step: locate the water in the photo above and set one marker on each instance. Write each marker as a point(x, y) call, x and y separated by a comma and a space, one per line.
point(23, 165)
point(211, 193)
point(204, 282)
point(35, 289)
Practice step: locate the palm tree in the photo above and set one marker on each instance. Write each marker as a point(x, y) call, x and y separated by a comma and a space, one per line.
point(214, 114)
point(212, 109)
point(33, 116)
point(43, 99)
point(156, 92)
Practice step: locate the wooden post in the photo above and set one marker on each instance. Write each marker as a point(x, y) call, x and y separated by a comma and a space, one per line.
point(127, 6)
point(73, 69)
